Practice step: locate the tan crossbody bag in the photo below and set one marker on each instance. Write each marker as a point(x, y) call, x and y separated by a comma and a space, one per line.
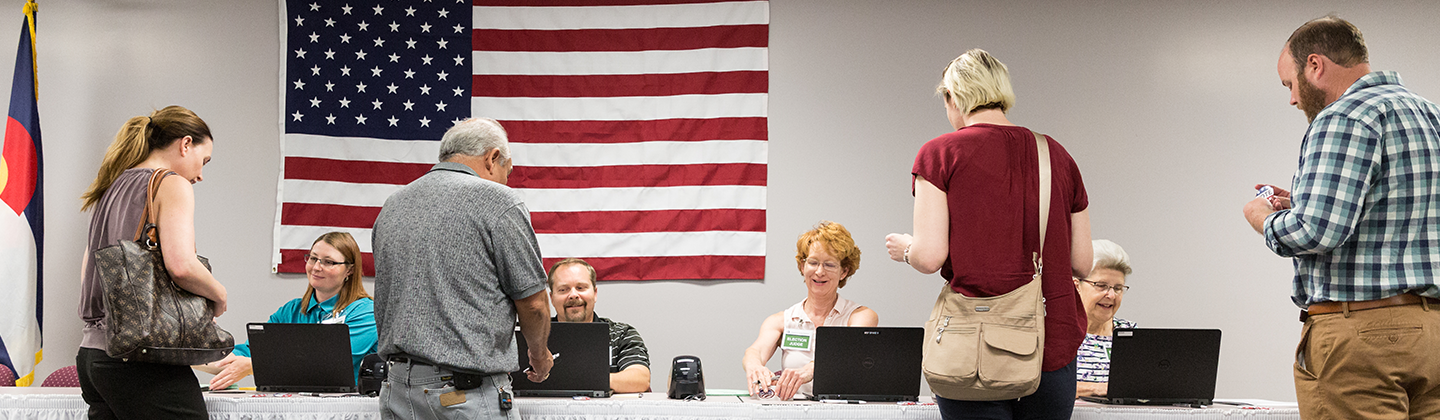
point(990, 349)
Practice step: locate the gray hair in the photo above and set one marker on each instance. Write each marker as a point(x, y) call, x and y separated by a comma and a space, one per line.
point(1110, 255)
point(474, 137)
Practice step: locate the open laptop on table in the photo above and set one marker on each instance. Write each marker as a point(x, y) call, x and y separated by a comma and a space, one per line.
point(868, 363)
point(583, 365)
point(301, 357)
point(1153, 366)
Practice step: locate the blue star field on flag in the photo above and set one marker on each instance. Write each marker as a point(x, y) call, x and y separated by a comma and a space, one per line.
point(378, 69)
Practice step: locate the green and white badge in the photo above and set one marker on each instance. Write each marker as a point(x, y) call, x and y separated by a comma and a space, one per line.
point(798, 339)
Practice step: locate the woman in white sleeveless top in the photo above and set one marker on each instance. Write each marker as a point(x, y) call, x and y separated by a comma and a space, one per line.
point(827, 257)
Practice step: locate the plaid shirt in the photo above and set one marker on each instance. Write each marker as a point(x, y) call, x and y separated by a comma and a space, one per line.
point(1366, 218)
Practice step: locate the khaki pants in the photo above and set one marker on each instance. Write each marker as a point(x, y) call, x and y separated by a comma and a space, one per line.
point(1374, 364)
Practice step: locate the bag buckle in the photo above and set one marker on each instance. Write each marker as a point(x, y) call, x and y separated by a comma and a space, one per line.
point(1038, 262)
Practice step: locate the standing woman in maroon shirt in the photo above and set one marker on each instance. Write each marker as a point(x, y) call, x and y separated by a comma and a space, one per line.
point(976, 207)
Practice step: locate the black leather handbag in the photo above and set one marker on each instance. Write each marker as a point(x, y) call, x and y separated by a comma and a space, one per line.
point(148, 317)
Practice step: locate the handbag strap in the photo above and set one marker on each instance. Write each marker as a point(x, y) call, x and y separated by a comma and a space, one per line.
point(1042, 151)
point(146, 224)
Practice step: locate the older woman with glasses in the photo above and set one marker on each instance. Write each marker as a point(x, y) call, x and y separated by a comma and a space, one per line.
point(1101, 293)
point(335, 295)
point(827, 257)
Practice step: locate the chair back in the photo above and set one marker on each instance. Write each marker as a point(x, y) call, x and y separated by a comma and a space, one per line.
point(66, 376)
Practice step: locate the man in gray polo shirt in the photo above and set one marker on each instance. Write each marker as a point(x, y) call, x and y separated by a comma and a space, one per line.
point(455, 262)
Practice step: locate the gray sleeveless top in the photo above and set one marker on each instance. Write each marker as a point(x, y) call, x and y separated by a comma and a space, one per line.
point(115, 218)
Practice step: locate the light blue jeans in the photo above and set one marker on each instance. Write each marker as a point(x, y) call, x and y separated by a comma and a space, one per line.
point(413, 392)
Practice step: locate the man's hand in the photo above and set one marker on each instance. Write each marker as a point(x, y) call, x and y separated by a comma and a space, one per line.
point(1255, 212)
point(1280, 200)
point(540, 364)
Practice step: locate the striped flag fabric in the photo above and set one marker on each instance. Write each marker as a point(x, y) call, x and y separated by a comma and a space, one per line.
point(22, 217)
point(638, 127)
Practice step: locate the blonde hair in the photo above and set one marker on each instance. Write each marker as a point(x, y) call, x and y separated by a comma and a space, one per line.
point(836, 240)
point(354, 287)
point(137, 138)
point(1110, 255)
point(976, 80)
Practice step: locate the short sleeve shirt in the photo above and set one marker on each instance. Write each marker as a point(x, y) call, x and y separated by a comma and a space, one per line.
point(359, 316)
point(453, 251)
point(989, 174)
point(1092, 361)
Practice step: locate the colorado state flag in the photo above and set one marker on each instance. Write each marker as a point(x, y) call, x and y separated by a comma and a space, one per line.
point(22, 217)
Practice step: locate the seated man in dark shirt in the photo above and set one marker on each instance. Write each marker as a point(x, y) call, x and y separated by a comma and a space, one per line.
point(572, 291)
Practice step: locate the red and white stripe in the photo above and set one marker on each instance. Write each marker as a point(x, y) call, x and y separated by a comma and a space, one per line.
point(638, 130)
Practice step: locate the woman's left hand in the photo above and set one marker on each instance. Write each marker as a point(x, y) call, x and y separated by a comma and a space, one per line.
point(1091, 389)
point(792, 379)
point(896, 244)
point(233, 369)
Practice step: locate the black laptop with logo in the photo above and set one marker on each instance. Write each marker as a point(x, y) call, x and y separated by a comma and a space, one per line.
point(301, 357)
point(1153, 366)
point(868, 363)
point(581, 369)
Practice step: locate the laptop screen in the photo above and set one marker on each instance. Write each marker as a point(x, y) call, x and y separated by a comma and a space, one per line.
point(868, 363)
point(1162, 366)
point(301, 357)
point(582, 367)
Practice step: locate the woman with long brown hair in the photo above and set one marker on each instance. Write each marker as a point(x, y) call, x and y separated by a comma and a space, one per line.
point(176, 139)
point(335, 294)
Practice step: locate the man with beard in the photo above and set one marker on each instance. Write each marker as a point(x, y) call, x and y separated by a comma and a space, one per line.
point(1363, 227)
point(572, 291)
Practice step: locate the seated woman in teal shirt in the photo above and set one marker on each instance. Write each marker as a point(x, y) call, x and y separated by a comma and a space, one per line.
point(335, 295)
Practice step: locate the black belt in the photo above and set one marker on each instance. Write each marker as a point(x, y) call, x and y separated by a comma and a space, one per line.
point(460, 380)
point(409, 360)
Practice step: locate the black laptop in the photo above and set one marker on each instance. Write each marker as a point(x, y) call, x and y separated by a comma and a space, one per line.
point(301, 357)
point(1153, 366)
point(867, 363)
point(581, 369)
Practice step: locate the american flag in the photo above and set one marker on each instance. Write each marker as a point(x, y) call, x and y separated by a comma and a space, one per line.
point(638, 127)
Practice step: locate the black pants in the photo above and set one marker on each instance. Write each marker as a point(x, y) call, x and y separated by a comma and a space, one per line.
point(1055, 399)
point(115, 389)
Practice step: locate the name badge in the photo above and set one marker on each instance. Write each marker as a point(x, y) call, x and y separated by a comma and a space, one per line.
point(333, 320)
point(798, 339)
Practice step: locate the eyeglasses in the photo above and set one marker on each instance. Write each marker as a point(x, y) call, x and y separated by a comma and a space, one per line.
point(324, 263)
point(1119, 289)
point(830, 266)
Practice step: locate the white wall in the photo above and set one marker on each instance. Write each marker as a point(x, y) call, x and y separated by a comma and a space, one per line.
point(1171, 109)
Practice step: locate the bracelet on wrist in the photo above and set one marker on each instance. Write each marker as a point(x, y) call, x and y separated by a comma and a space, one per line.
point(907, 253)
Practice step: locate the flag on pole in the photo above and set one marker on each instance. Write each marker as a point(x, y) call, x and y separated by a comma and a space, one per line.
point(22, 217)
point(638, 127)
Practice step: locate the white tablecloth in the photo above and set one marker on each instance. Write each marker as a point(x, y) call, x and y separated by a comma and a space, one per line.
point(65, 404)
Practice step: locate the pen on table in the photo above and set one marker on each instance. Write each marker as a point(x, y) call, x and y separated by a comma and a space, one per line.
point(842, 401)
point(553, 357)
